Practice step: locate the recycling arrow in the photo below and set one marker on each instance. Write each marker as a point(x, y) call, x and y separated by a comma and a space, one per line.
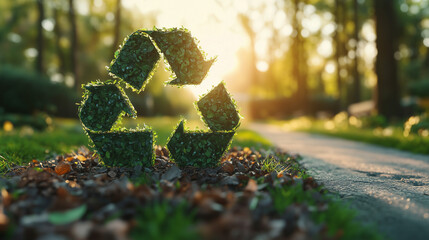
point(133, 65)
point(204, 148)
point(118, 148)
point(135, 62)
point(183, 55)
point(218, 109)
point(102, 105)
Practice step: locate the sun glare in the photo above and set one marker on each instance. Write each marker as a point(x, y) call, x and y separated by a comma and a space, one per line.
point(215, 27)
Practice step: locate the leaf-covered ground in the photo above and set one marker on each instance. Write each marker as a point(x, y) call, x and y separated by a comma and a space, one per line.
point(251, 195)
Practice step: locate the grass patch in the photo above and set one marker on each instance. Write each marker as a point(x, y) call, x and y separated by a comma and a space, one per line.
point(414, 144)
point(338, 220)
point(270, 164)
point(249, 138)
point(162, 220)
point(21, 146)
point(165, 220)
point(391, 136)
point(25, 144)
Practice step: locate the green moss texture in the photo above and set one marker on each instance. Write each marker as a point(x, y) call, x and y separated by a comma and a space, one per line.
point(218, 110)
point(199, 149)
point(183, 55)
point(129, 148)
point(102, 105)
point(136, 60)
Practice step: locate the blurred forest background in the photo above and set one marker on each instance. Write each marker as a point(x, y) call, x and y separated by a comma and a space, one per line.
point(279, 58)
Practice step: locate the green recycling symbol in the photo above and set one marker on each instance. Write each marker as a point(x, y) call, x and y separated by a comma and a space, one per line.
point(104, 103)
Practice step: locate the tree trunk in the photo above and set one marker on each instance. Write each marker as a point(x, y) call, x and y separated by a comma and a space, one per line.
point(387, 101)
point(18, 9)
point(426, 61)
point(299, 64)
point(117, 31)
point(338, 52)
point(40, 39)
point(74, 45)
point(245, 22)
point(320, 83)
point(356, 90)
point(58, 34)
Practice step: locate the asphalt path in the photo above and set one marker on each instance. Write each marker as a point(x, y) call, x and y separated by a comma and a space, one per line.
point(388, 187)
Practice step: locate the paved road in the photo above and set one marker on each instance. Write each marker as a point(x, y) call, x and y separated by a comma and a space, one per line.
point(387, 186)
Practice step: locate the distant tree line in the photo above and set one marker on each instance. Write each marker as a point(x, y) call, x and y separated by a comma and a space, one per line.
point(72, 47)
point(399, 47)
point(321, 54)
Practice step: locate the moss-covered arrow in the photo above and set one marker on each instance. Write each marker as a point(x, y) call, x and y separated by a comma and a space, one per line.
point(183, 55)
point(102, 105)
point(136, 60)
point(200, 149)
point(134, 63)
point(125, 148)
point(218, 110)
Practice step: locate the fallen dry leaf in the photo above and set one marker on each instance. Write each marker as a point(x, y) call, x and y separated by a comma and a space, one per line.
point(252, 186)
point(219, 196)
point(228, 167)
point(6, 197)
point(62, 168)
point(49, 170)
point(81, 158)
point(4, 221)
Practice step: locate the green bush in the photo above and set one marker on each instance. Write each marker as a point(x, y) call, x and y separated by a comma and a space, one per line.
point(165, 220)
point(419, 88)
point(320, 102)
point(24, 92)
point(374, 121)
point(39, 121)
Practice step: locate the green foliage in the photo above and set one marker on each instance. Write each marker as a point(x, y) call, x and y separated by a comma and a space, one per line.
point(39, 121)
point(102, 105)
point(374, 121)
point(200, 149)
point(338, 218)
point(66, 217)
point(24, 92)
point(142, 179)
point(392, 136)
point(421, 126)
point(419, 88)
point(164, 221)
point(183, 55)
point(287, 195)
point(125, 148)
point(218, 109)
point(249, 138)
point(21, 145)
point(270, 164)
point(17, 147)
point(136, 61)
